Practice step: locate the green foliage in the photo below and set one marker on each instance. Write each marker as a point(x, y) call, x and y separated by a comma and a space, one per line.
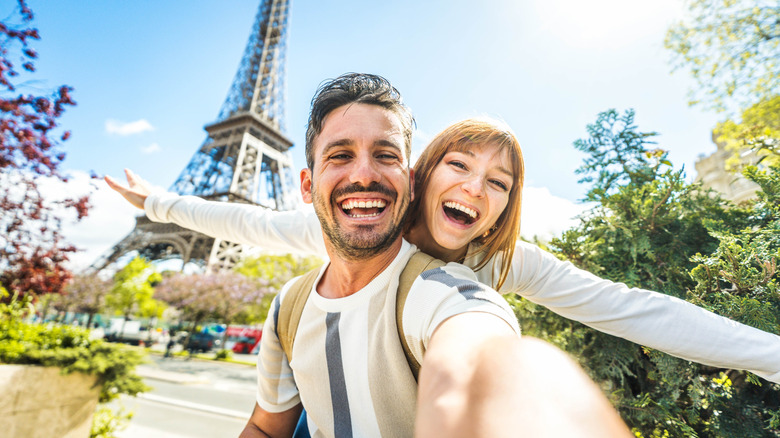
point(107, 422)
point(616, 154)
point(740, 278)
point(757, 130)
point(731, 48)
point(649, 221)
point(650, 230)
point(276, 270)
point(69, 348)
point(223, 354)
point(133, 290)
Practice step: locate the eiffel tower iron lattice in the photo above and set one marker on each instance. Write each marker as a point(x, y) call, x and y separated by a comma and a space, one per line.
point(245, 157)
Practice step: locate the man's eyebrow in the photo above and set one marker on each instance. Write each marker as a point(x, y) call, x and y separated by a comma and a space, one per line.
point(349, 142)
point(335, 144)
point(387, 143)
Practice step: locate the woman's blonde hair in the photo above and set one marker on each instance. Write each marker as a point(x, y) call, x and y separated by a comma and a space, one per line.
point(462, 136)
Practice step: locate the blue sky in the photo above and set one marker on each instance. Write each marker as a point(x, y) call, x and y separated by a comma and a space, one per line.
point(148, 75)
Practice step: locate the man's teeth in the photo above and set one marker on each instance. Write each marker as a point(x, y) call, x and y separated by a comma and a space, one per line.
point(349, 205)
point(463, 208)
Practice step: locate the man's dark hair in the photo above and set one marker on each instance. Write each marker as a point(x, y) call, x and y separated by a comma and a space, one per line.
point(355, 88)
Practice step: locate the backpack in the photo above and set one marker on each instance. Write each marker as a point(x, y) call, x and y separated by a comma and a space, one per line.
point(291, 308)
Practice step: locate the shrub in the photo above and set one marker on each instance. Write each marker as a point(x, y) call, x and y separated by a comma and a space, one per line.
point(69, 348)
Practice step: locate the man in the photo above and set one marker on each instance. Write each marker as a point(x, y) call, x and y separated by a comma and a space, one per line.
point(348, 369)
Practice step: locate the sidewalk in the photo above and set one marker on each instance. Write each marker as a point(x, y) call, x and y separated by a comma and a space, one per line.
point(180, 371)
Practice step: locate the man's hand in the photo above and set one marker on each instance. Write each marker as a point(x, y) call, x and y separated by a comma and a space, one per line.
point(480, 379)
point(136, 193)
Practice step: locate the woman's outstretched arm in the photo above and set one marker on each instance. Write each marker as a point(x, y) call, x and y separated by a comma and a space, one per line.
point(648, 318)
point(289, 231)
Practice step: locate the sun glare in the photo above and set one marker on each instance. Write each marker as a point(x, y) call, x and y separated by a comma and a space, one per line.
point(604, 23)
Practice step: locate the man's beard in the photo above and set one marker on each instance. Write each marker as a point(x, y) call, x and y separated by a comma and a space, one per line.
point(366, 244)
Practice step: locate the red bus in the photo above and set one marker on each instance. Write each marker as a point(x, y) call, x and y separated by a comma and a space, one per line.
point(242, 339)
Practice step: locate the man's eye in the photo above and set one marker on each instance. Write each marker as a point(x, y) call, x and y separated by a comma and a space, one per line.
point(387, 156)
point(341, 156)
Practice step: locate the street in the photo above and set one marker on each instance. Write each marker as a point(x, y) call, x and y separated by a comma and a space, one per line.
point(191, 399)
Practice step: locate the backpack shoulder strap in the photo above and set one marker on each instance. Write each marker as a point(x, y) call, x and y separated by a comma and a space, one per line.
point(291, 309)
point(417, 264)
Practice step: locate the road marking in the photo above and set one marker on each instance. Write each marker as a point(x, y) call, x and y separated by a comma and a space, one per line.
point(196, 406)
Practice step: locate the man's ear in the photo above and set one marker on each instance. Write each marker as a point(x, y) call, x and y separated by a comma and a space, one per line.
point(306, 185)
point(411, 183)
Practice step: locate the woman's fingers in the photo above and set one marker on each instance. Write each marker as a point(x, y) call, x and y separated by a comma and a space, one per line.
point(135, 194)
point(137, 183)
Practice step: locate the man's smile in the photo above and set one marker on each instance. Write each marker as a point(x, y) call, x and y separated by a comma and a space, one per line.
point(363, 207)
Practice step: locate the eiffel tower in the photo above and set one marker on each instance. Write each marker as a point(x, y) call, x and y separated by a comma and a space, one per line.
point(245, 157)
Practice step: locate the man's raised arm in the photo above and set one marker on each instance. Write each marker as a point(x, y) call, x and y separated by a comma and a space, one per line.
point(480, 379)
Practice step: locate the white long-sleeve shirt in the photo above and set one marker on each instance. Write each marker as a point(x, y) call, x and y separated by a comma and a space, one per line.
point(648, 318)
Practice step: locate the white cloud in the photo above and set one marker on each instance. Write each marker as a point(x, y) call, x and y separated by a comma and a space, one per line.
point(152, 148)
point(545, 215)
point(128, 128)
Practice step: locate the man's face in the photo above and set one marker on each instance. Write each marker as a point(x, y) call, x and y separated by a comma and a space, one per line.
point(361, 182)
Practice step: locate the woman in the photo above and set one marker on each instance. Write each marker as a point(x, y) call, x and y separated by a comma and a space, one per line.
point(468, 185)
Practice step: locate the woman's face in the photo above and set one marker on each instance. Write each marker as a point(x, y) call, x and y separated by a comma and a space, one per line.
point(466, 194)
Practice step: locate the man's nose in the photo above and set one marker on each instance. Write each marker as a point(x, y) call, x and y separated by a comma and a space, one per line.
point(365, 171)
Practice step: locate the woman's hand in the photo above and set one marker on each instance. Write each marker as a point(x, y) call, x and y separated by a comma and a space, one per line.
point(136, 192)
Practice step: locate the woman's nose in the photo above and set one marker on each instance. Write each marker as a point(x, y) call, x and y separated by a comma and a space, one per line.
point(474, 186)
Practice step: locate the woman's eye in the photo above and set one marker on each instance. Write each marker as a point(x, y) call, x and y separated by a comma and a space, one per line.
point(499, 184)
point(457, 164)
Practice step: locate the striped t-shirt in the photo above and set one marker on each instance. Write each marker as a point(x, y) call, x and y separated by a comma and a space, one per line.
point(348, 368)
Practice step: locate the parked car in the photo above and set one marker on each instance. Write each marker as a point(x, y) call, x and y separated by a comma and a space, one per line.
point(130, 332)
point(202, 342)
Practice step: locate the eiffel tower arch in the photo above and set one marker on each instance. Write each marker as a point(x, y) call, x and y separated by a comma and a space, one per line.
point(245, 157)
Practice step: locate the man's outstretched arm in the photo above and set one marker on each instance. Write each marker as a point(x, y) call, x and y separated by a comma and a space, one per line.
point(480, 379)
point(267, 424)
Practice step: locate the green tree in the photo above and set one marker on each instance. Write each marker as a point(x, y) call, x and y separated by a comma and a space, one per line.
point(732, 50)
point(757, 130)
point(649, 230)
point(276, 270)
point(133, 290)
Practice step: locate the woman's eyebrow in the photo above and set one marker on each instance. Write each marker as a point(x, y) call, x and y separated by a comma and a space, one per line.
point(501, 169)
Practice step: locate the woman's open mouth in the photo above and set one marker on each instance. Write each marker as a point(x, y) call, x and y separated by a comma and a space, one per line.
point(460, 213)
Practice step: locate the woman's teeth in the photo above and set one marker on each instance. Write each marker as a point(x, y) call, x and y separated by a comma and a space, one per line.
point(463, 208)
